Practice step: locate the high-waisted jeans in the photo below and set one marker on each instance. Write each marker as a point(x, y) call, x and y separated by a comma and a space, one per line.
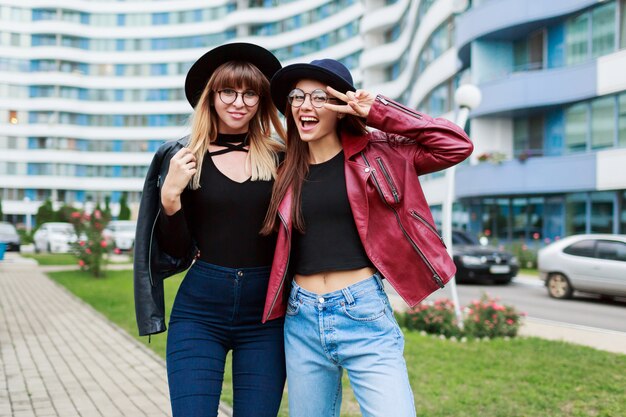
point(352, 329)
point(218, 309)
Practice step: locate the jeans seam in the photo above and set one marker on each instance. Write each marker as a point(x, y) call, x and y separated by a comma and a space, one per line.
point(337, 393)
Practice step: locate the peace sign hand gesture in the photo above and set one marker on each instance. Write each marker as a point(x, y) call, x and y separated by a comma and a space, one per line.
point(359, 102)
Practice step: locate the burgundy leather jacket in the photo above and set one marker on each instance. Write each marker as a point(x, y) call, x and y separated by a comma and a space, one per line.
point(391, 214)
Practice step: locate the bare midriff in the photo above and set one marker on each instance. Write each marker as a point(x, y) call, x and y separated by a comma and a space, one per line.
point(329, 281)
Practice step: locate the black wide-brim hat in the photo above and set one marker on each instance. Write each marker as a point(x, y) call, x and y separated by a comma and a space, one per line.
point(327, 71)
point(203, 68)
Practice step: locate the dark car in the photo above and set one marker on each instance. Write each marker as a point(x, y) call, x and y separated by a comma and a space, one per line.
point(9, 235)
point(475, 262)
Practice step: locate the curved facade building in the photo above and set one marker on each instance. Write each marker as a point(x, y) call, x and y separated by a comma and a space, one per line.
point(90, 89)
point(550, 132)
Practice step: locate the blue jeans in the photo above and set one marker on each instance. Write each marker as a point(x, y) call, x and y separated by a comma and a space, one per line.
point(352, 328)
point(218, 309)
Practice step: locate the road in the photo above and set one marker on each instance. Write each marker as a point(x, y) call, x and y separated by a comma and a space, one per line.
point(529, 295)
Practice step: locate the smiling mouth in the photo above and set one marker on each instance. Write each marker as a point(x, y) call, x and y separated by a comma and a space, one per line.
point(308, 122)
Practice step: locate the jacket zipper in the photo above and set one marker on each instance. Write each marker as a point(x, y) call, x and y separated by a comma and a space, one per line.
point(150, 249)
point(432, 229)
point(394, 190)
point(398, 106)
point(282, 280)
point(435, 276)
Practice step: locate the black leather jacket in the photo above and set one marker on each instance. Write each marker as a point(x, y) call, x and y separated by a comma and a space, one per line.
point(151, 264)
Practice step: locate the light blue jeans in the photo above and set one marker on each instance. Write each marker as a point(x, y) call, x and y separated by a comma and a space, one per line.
point(352, 328)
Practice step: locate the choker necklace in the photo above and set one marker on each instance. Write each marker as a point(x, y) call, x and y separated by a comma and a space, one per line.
point(234, 142)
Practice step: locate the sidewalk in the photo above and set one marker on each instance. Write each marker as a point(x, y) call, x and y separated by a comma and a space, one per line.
point(61, 358)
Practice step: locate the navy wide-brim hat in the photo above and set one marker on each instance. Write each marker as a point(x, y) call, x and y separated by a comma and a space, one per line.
point(203, 68)
point(327, 71)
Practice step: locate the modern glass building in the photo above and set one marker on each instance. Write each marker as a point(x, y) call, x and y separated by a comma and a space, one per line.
point(89, 89)
point(550, 133)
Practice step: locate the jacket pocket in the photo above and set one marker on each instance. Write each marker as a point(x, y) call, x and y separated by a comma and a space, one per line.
point(388, 185)
point(430, 227)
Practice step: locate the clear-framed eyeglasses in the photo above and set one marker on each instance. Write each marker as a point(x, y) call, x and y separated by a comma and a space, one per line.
point(229, 96)
point(318, 97)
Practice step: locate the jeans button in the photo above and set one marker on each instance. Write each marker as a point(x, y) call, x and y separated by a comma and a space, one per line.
point(240, 273)
point(321, 300)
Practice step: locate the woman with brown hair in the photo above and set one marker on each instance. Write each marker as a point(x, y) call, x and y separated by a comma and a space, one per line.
point(213, 200)
point(350, 212)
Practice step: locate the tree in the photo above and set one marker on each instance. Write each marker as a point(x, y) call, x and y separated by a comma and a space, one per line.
point(45, 213)
point(124, 209)
point(107, 206)
point(1, 213)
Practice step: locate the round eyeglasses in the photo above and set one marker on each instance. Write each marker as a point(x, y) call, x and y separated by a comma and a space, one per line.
point(317, 97)
point(229, 96)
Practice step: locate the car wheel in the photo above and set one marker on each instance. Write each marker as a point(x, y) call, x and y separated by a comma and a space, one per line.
point(559, 286)
point(505, 281)
point(49, 248)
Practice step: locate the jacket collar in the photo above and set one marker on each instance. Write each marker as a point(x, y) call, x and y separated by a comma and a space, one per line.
point(352, 144)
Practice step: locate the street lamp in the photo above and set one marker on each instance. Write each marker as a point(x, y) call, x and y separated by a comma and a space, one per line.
point(467, 97)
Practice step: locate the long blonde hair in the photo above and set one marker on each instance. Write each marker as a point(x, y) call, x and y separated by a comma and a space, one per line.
point(262, 156)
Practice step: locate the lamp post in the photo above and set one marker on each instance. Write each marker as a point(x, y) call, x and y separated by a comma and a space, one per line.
point(467, 97)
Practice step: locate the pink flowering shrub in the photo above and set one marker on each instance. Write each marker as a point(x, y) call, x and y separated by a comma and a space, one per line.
point(434, 318)
point(487, 318)
point(484, 318)
point(90, 246)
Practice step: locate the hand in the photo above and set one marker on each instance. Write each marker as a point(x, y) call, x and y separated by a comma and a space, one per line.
point(182, 168)
point(359, 102)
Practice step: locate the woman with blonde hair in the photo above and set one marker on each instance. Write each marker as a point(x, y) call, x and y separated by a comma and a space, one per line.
point(215, 187)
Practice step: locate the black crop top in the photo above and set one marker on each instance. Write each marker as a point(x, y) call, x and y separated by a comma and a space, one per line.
point(223, 218)
point(331, 241)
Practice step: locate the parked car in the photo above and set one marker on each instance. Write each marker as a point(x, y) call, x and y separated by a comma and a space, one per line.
point(120, 234)
point(54, 237)
point(475, 262)
point(9, 235)
point(587, 263)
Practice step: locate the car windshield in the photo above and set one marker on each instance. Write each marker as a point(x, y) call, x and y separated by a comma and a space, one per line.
point(66, 229)
point(123, 228)
point(462, 238)
point(7, 228)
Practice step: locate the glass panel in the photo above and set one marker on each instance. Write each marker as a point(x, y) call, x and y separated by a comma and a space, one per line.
point(622, 120)
point(603, 29)
point(611, 250)
point(520, 218)
point(583, 248)
point(622, 36)
point(575, 213)
point(622, 215)
point(602, 122)
point(576, 39)
point(576, 128)
point(535, 50)
point(602, 212)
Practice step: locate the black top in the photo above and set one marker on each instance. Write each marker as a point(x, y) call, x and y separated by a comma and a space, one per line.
point(331, 241)
point(223, 218)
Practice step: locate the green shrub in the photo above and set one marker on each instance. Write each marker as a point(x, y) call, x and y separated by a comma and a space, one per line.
point(435, 318)
point(91, 247)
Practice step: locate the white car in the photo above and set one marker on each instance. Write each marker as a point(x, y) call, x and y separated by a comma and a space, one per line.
point(588, 263)
point(54, 237)
point(120, 234)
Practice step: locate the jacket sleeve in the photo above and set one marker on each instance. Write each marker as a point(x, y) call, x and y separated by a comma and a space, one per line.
point(173, 233)
point(149, 300)
point(432, 144)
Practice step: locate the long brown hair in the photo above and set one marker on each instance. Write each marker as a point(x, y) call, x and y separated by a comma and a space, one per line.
point(262, 157)
point(295, 168)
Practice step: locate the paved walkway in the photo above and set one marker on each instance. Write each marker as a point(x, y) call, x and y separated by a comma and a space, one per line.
point(61, 358)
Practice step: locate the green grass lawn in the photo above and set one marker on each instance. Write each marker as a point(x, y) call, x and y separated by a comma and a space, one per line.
point(521, 377)
point(52, 258)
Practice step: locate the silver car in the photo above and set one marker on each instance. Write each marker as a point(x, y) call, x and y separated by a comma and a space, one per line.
point(54, 237)
point(588, 263)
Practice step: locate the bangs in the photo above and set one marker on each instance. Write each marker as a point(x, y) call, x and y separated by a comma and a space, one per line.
point(239, 74)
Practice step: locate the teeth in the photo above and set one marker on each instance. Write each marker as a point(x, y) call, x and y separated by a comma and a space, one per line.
point(308, 119)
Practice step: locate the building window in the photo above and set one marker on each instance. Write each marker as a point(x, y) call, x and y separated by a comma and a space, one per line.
point(622, 24)
point(603, 29)
point(622, 120)
point(603, 122)
point(528, 136)
point(622, 215)
point(576, 123)
point(528, 52)
point(575, 213)
point(576, 39)
point(602, 212)
point(13, 117)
